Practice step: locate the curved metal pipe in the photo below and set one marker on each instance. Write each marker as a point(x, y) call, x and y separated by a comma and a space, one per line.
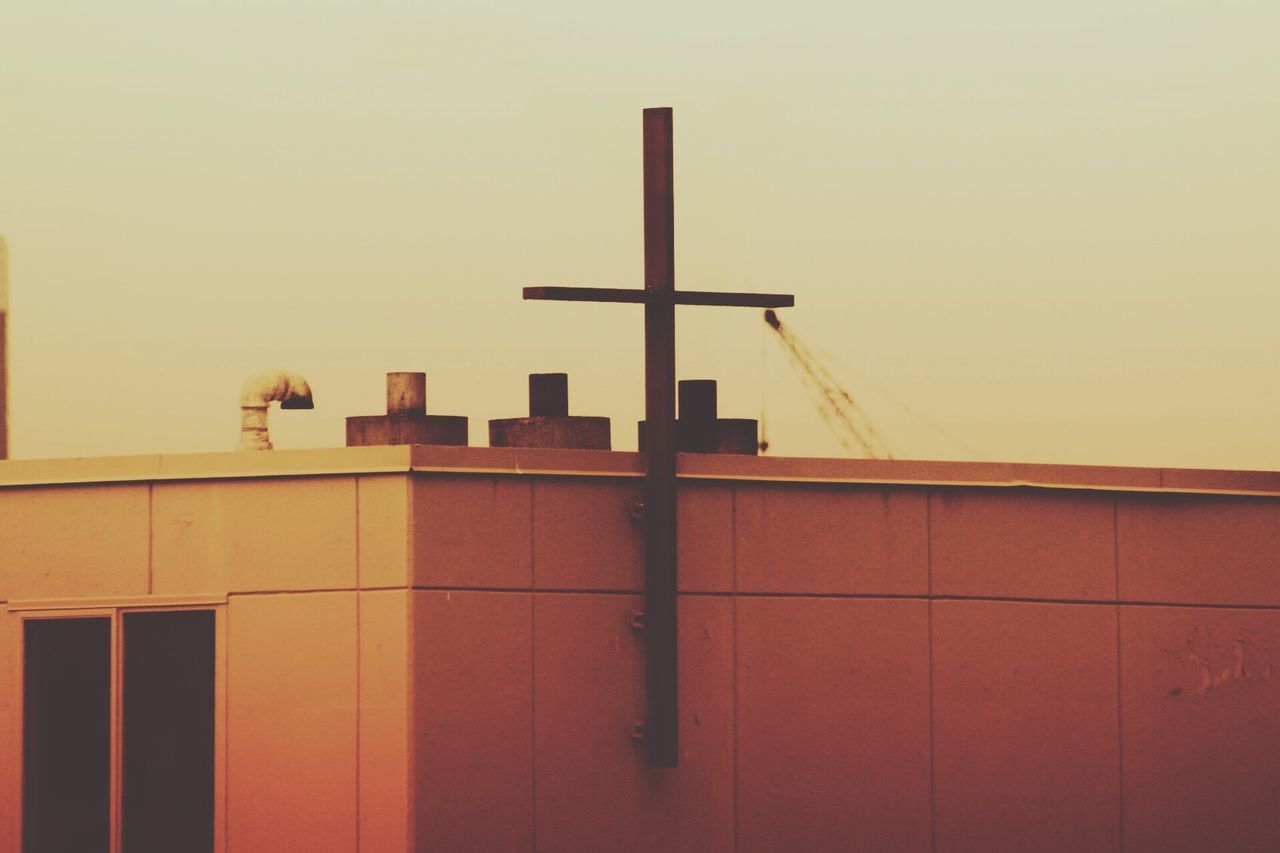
point(258, 392)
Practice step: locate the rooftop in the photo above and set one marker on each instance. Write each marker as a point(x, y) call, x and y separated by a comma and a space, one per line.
point(589, 463)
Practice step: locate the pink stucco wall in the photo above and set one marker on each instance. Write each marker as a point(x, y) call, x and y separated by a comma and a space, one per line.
point(891, 667)
point(436, 651)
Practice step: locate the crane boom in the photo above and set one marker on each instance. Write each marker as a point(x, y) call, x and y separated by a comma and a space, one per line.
point(843, 416)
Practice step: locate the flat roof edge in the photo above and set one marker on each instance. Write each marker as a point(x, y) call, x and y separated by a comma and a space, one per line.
point(203, 466)
point(429, 459)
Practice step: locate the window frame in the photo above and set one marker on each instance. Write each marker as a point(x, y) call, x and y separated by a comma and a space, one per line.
point(114, 611)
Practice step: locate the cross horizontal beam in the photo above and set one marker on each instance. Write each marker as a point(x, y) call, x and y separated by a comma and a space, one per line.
point(680, 297)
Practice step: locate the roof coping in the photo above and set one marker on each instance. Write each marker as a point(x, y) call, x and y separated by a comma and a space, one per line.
point(432, 459)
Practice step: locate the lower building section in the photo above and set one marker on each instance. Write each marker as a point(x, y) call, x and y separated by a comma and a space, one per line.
point(407, 720)
point(836, 723)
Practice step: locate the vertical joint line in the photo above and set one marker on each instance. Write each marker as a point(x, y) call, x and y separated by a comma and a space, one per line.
point(359, 733)
point(1115, 542)
point(933, 754)
point(733, 557)
point(1115, 531)
point(359, 567)
point(533, 674)
point(151, 537)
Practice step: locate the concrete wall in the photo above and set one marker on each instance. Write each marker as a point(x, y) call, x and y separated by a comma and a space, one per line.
point(871, 666)
point(310, 573)
point(445, 660)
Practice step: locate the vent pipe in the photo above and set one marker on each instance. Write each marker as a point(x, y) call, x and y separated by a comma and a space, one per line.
point(700, 429)
point(406, 420)
point(549, 423)
point(259, 391)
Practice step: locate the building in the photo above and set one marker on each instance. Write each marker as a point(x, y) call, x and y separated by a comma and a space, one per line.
point(434, 648)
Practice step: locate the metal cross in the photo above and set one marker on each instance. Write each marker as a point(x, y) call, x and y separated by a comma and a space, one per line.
point(660, 297)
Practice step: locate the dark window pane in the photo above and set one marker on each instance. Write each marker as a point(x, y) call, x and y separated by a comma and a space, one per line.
point(168, 732)
point(66, 774)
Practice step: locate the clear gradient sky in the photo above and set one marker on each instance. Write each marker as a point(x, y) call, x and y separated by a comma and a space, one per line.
point(1052, 227)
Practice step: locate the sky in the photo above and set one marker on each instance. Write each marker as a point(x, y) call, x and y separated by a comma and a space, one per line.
point(1016, 231)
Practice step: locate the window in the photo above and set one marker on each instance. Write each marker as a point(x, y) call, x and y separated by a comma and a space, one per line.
point(167, 799)
point(119, 713)
point(66, 739)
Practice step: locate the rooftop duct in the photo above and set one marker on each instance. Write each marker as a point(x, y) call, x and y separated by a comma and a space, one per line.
point(406, 420)
point(259, 391)
point(700, 430)
point(549, 423)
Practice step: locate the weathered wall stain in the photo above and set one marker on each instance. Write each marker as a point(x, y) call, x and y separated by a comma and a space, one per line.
point(1220, 662)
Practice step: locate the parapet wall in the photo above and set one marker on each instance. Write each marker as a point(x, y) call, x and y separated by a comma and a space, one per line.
point(898, 667)
point(432, 648)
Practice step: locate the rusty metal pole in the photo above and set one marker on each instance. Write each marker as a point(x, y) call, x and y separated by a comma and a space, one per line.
point(662, 725)
point(660, 297)
point(4, 351)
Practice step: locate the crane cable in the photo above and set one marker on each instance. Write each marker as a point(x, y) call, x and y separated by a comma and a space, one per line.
point(846, 420)
point(810, 369)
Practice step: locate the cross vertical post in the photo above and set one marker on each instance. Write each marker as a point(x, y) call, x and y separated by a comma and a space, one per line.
point(660, 298)
point(662, 725)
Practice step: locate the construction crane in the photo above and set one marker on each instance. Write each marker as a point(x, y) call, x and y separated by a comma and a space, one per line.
point(845, 418)
point(848, 422)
